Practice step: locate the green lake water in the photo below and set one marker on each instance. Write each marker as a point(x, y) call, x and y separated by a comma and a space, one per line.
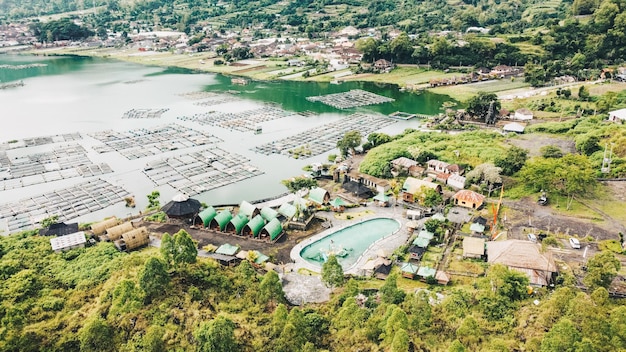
point(87, 95)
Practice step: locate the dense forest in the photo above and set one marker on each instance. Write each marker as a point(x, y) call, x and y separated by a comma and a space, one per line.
point(98, 299)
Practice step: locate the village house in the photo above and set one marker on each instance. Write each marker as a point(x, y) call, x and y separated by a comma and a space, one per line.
point(456, 181)
point(468, 199)
point(473, 247)
point(436, 165)
point(383, 65)
point(617, 115)
point(503, 71)
point(522, 114)
point(412, 186)
point(513, 127)
point(525, 257)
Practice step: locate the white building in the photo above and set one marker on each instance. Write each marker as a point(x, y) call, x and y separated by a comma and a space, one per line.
point(617, 115)
point(513, 127)
point(67, 242)
point(456, 181)
point(523, 114)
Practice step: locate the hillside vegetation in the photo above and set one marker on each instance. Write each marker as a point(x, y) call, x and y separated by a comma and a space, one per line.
point(97, 299)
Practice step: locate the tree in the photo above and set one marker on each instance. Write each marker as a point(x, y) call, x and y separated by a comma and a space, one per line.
point(349, 142)
point(153, 200)
point(431, 197)
point(513, 161)
point(178, 249)
point(583, 93)
point(51, 220)
point(270, 289)
point(535, 75)
point(483, 106)
point(96, 335)
point(185, 250)
point(217, 335)
point(396, 321)
point(167, 248)
point(588, 145)
point(469, 333)
point(153, 278)
point(401, 341)
point(562, 337)
point(332, 272)
point(153, 339)
point(508, 283)
point(389, 292)
point(601, 270)
point(551, 151)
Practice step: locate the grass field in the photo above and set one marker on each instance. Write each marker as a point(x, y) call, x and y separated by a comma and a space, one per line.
point(403, 76)
point(465, 91)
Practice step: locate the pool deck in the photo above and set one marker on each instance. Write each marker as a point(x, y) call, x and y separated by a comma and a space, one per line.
point(388, 243)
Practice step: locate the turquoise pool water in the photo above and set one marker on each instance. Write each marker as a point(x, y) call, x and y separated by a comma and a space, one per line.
point(350, 242)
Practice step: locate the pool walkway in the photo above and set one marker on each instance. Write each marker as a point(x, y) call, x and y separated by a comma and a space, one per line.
point(387, 244)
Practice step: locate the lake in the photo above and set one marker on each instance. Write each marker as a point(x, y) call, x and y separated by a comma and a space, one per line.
point(88, 95)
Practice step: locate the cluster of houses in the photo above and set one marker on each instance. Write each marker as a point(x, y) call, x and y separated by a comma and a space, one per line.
point(520, 255)
point(231, 255)
point(13, 34)
point(482, 74)
point(123, 234)
point(249, 221)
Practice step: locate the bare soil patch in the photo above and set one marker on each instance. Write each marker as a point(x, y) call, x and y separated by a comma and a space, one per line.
point(279, 251)
point(533, 143)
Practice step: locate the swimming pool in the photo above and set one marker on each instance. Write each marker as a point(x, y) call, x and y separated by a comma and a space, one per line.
point(349, 243)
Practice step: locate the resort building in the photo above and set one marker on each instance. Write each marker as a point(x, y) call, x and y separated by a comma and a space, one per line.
point(236, 224)
point(205, 216)
point(473, 247)
point(468, 199)
point(221, 220)
point(319, 196)
point(59, 229)
point(412, 186)
point(525, 257)
point(67, 242)
point(133, 239)
point(273, 230)
point(254, 227)
point(456, 181)
point(248, 210)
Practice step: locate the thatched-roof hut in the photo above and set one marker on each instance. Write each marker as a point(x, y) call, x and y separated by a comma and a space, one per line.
point(99, 228)
point(133, 239)
point(115, 233)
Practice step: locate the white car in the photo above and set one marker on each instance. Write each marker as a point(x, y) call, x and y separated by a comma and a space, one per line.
point(532, 237)
point(574, 242)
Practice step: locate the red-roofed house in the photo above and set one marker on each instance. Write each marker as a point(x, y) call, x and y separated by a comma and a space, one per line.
point(468, 199)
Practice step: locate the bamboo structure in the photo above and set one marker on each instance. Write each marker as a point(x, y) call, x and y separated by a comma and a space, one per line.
point(99, 228)
point(133, 239)
point(115, 233)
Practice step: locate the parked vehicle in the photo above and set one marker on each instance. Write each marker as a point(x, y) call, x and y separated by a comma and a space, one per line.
point(532, 237)
point(574, 242)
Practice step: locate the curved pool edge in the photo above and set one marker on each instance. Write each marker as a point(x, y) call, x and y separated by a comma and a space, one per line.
point(303, 263)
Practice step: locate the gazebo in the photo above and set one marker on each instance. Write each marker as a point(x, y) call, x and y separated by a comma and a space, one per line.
point(381, 199)
point(338, 204)
point(182, 207)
